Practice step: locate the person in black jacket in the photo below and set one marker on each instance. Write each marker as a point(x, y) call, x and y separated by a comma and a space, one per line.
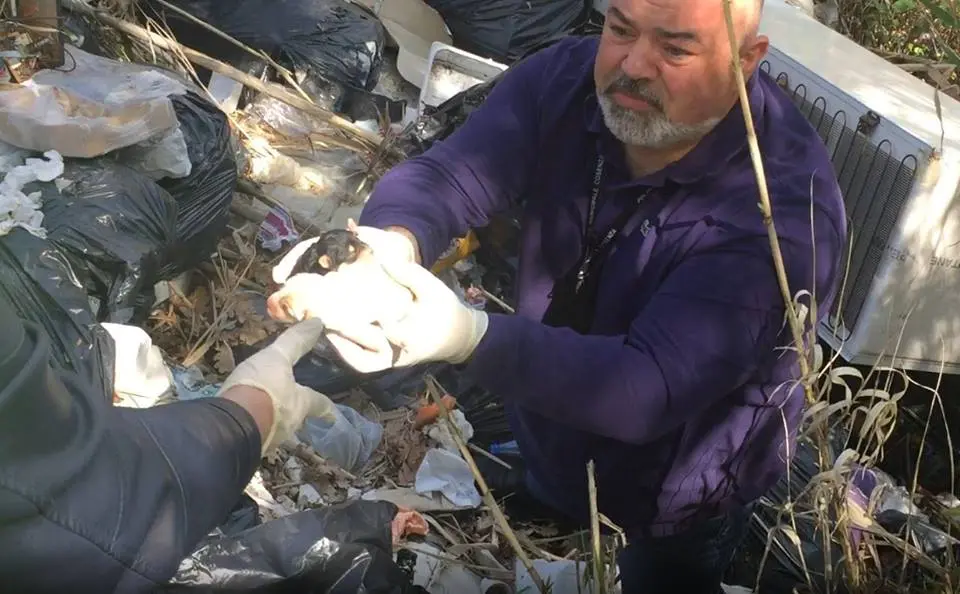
point(97, 498)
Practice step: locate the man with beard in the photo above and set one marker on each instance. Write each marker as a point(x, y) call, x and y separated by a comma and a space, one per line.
point(650, 324)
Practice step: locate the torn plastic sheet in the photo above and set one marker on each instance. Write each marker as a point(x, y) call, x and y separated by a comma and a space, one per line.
point(436, 124)
point(562, 575)
point(342, 549)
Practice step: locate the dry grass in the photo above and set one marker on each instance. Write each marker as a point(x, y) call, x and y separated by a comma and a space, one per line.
point(868, 410)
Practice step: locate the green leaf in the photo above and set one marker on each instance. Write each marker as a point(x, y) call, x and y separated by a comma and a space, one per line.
point(941, 13)
point(904, 5)
point(952, 55)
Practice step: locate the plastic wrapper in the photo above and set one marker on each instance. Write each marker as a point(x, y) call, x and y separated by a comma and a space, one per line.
point(349, 441)
point(447, 473)
point(204, 197)
point(116, 224)
point(506, 30)
point(44, 287)
point(321, 41)
point(344, 549)
point(356, 105)
point(91, 107)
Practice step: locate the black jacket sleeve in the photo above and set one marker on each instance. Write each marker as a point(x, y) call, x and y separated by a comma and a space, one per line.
point(96, 498)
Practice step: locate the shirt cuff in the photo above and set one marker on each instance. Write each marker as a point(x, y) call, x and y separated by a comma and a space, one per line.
point(496, 348)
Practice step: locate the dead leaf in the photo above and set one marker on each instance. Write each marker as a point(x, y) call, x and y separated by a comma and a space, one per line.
point(165, 318)
point(243, 310)
point(223, 360)
point(245, 248)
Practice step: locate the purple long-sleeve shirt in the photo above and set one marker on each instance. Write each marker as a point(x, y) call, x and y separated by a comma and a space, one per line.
point(678, 391)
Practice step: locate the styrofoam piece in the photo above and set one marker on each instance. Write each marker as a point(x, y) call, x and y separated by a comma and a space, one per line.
point(451, 70)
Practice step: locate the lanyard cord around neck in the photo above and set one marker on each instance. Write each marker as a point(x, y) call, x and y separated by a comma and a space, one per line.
point(591, 250)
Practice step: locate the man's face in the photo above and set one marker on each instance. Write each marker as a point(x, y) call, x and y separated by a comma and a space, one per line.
point(663, 72)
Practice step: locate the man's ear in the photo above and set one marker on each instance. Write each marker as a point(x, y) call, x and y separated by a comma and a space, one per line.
point(752, 54)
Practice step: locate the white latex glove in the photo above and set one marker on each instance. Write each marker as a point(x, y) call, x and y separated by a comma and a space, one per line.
point(386, 245)
point(271, 371)
point(437, 327)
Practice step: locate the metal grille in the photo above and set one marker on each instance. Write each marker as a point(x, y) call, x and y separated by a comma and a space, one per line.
point(874, 181)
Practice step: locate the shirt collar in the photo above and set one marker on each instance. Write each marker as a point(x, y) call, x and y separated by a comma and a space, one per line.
point(711, 154)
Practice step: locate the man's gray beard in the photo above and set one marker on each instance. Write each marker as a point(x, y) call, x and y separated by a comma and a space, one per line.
point(652, 130)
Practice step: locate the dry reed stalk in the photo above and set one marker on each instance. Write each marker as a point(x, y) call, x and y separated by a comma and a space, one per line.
point(808, 377)
point(599, 567)
point(436, 392)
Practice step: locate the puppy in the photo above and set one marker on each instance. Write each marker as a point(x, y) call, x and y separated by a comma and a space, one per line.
point(332, 250)
point(362, 290)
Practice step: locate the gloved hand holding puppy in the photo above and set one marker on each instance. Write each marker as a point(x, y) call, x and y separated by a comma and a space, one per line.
point(380, 307)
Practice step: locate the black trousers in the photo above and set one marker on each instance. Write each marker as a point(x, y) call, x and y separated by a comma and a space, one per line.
point(691, 562)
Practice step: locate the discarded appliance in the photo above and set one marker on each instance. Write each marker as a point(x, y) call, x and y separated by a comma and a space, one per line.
point(895, 144)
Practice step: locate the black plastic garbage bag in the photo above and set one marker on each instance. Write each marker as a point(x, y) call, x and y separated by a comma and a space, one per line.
point(117, 226)
point(343, 549)
point(203, 197)
point(791, 556)
point(320, 40)
point(245, 515)
point(39, 281)
point(436, 124)
point(506, 30)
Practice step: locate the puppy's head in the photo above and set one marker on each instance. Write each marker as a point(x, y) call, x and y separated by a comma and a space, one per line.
point(332, 249)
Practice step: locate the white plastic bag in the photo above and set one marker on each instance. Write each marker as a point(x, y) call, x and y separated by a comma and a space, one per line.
point(448, 473)
point(349, 441)
point(98, 106)
point(141, 378)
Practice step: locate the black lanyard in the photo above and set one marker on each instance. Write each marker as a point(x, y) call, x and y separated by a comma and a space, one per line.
point(591, 248)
